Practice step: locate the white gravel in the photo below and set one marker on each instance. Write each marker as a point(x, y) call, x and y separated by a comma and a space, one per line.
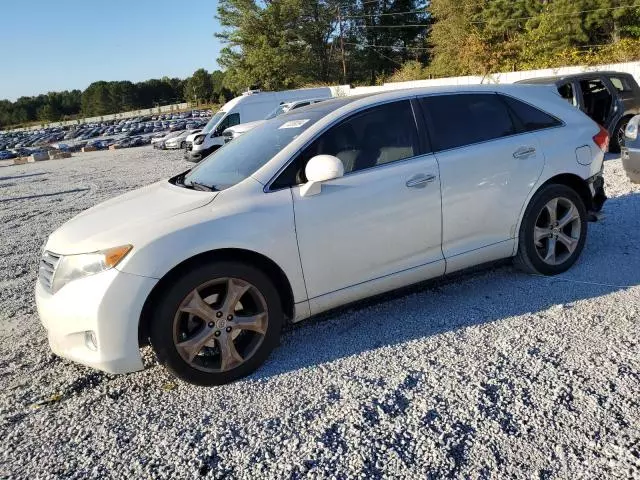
point(493, 375)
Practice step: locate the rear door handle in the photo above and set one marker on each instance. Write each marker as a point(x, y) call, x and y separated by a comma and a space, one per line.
point(524, 152)
point(420, 181)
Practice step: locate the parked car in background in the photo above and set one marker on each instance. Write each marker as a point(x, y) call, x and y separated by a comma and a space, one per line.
point(609, 98)
point(460, 176)
point(179, 141)
point(158, 141)
point(249, 107)
point(234, 132)
point(631, 150)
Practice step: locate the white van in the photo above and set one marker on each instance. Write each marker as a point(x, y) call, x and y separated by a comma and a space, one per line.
point(234, 132)
point(249, 107)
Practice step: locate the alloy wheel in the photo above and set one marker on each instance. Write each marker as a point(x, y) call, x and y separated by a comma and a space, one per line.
point(557, 231)
point(620, 134)
point(220, 324)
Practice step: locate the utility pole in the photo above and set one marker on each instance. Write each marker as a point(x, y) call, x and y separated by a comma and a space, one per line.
point(344, 63)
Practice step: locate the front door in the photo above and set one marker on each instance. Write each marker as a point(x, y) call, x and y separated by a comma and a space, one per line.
point(383, 218)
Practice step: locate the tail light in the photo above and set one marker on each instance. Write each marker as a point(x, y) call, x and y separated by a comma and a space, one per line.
point(631, 132)
point(602, 139)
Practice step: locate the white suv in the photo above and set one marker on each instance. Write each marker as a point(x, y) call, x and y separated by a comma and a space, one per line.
point(315, 209)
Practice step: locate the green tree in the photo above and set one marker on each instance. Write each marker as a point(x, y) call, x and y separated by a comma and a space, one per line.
point(198, 87)
point(263, 48)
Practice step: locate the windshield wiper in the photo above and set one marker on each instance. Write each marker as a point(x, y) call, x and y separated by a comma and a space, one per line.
point(200, 186)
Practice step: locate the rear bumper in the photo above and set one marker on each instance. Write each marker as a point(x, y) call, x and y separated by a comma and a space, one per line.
point(598, 195)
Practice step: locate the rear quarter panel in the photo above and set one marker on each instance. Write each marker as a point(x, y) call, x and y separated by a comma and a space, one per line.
point(560, 144)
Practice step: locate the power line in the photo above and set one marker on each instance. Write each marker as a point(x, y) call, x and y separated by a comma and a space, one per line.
point(413, 25)
point(540, 15)
point(386, 46)
point(569, 14)
point(367, 15)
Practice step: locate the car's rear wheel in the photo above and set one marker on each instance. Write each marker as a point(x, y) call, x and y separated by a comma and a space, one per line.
point(617, 139)
point(553, 231)
point(217, 323)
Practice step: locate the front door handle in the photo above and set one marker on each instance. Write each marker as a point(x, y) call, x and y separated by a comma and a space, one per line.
point(524, 152)
point(419, 181)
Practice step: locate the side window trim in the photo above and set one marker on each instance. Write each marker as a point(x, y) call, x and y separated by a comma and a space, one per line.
point(338, 122)
point(516, 121)
point(424, 135)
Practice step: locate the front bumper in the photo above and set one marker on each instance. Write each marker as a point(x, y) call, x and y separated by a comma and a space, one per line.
point(191, 155)
point(107, 304)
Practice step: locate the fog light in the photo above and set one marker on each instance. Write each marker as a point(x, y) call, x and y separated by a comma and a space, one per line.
point(90, 340)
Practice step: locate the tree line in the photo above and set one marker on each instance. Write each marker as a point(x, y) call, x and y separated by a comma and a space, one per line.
point(289, 43)
point(280, 44)
point(102, 98)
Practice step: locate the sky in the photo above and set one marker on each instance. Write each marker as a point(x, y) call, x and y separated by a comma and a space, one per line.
point(51, 46)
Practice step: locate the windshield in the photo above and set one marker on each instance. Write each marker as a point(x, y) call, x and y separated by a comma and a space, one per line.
point(246, 154)
point(213, 122)
point(280, 109)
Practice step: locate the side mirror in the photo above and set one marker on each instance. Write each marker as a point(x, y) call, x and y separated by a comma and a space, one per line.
point(320, 169)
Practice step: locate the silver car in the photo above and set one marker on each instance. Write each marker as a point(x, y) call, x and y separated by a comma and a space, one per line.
point(631, 150)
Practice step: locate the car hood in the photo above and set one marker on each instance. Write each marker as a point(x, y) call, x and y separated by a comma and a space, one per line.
point(126, 218)
point(245, 127)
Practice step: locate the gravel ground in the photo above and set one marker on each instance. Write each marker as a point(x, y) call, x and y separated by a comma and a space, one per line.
point(494, 375)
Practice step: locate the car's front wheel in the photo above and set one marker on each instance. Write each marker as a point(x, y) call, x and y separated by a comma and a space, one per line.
point(217, 323)
point(553, 231)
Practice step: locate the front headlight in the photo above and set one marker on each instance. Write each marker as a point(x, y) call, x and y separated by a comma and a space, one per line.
point(73, 267)
point(631, 132)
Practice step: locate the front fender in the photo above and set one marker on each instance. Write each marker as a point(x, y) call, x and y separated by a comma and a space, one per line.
point(256, 221)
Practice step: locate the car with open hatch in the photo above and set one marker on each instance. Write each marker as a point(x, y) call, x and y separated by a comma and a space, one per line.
point(611, 99)
point(315, 209)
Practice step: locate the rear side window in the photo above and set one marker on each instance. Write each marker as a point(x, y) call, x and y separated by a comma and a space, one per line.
point(464, 119)
point(621, 83)
point(529, 117)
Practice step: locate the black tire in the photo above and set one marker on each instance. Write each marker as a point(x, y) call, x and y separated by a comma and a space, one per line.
point(617, 136)
point(166, 312)
point(529, 258)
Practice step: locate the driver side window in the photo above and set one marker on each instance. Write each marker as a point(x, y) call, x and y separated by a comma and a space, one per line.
point(229, 121)
point(379, 135)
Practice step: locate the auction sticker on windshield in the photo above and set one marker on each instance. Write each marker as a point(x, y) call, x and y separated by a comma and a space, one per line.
point(293, 124)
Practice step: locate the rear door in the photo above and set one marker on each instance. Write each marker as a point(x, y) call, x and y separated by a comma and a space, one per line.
point(488, 166)
point(601, 102)
point(624, 86)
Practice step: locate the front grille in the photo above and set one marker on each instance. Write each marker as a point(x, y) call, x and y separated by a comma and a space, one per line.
point(47, 269)
point(189, 146)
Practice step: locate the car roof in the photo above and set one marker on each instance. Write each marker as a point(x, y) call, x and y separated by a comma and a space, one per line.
point(572, 76)
point(382, 95)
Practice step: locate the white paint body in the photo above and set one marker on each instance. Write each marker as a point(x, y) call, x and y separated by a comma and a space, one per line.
point(364, 233)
